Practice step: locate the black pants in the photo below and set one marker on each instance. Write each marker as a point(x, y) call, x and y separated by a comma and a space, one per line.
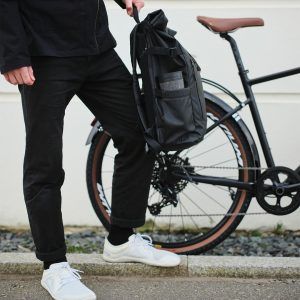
point(104, 84)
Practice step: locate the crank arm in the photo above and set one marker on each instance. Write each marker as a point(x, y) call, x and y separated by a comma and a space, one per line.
point(293, 188)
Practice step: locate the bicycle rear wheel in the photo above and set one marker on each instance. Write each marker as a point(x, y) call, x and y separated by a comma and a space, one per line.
point(199, 216)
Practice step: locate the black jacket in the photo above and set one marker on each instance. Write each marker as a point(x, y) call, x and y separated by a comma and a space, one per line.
point(53, 28)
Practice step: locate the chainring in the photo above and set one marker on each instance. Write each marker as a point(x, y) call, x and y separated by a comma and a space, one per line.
point(271, 185)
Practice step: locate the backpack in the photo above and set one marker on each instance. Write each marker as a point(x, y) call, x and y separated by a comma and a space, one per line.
point(171, 103)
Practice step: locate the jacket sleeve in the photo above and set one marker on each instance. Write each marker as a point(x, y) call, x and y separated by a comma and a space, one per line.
point(121, 3)
point(13, 45)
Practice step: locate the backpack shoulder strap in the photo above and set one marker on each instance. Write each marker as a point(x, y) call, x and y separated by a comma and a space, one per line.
point(137, 95)
point(155, 146)
point(136, 86)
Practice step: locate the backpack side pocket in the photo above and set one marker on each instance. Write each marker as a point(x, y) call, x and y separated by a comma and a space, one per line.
point(175, 115)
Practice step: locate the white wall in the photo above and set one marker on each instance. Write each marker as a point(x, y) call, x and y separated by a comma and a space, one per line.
point(272, 48)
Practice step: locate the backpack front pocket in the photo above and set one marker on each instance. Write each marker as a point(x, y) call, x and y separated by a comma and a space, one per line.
point(174, 117)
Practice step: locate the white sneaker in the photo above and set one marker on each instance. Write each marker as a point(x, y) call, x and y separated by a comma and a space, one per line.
point(63, 283)
point(138, 249)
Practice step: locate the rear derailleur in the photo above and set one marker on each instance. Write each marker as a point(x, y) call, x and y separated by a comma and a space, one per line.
point(169, 197)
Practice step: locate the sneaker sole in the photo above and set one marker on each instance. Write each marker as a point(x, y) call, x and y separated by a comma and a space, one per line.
point(44, 285)
point(125, 259)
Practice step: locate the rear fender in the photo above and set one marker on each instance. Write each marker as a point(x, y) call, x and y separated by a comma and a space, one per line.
point(97, 127)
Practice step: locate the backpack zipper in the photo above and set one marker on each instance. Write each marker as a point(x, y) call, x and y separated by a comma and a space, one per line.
point(98, 7)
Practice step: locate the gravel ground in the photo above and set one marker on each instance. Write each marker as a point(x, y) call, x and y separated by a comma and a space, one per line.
point(90, 240)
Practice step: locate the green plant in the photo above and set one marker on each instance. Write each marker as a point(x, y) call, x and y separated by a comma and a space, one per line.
point(278, 229)
point(76, 249)
point(255, 232)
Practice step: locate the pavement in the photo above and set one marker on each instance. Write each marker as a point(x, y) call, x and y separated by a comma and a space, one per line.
point(197, 277)
point(18, 287)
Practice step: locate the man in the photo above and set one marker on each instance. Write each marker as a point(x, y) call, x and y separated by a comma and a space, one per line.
point(54, 50)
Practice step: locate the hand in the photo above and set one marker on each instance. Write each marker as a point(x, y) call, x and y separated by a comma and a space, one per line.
point(22, 75)
point(138, 3)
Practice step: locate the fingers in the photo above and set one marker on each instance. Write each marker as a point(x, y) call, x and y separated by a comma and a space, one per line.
point(22, 75)
point(18, 76)
point(129, 7)
point(27, 75)
point(12, 78)
point(31, 73)
point(138, 3)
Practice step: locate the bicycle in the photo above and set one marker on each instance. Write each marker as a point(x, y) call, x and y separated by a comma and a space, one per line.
point(183, 223)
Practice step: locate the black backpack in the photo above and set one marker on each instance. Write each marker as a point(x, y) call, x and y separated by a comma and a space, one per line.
point(171, 102)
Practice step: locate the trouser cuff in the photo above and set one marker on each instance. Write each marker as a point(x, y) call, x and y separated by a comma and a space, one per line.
point(133, 223)
point(50, 256)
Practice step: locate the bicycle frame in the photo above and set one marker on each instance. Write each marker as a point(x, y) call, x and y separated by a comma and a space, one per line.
point(247, 86)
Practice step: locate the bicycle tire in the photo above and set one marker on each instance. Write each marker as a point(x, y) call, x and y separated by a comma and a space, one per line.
point(217, 234)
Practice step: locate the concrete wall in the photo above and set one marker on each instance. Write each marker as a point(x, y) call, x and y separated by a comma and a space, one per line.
point(265, 50)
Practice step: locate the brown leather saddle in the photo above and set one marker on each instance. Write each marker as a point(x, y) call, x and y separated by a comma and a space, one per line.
point(219, 25)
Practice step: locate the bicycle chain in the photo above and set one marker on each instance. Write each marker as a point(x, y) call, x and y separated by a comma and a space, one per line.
point(225, 168)
point(218, 215)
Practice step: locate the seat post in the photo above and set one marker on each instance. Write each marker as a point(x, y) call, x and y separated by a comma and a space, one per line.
point(242, 71)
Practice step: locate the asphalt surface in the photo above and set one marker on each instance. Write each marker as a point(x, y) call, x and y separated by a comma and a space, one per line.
point(29, 288)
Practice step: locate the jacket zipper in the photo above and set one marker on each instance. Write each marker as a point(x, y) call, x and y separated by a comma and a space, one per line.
point(98, 6)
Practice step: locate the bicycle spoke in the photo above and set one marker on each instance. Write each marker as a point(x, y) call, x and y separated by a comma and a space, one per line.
point(206, 136)
point(221, 188)
point(170, 224)
point(155, 215)
point(154, 192)
point(180, 206)
point(198, 206)
point(188, 150)
point(153, 223)
point(214, 148)
point(210, 197)
point(189, 215)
